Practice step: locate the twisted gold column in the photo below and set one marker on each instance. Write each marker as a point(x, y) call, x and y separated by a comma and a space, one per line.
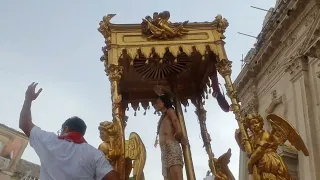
point(201, 113)
point(115, 73)
point(224, 68)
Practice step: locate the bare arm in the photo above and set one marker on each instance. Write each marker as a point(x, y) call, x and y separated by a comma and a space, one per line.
point(25, 121)
point(175, 121)
point(112, 175)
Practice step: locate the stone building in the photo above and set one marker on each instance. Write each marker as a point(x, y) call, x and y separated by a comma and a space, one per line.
point(282, 76)
point(12, 146)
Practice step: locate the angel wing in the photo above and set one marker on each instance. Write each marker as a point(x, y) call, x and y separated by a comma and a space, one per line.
point(154, 29)
point(282, 130)
point(223, 161)
point(136, 151)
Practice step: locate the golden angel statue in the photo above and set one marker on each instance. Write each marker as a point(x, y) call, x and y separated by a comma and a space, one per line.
point(160, 27)
point(135, 151)
point(264, 162)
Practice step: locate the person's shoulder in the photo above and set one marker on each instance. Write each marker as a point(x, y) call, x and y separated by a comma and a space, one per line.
point(38, 133)
point(171, 113)
point(170, 110)
point(92, 150)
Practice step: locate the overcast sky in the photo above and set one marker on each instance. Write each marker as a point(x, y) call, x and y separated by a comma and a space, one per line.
point(56, 43)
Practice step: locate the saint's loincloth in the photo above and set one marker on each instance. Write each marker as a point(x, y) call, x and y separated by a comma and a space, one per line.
point(171, 155)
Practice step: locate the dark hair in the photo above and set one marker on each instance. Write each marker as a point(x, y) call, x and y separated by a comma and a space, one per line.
point(166, 101)
point(75, 124)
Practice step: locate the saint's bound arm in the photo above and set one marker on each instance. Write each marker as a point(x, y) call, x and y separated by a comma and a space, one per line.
point(175, 121)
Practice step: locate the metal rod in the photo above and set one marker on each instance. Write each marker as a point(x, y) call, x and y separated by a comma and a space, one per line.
point(261, 9)
point(247, 35)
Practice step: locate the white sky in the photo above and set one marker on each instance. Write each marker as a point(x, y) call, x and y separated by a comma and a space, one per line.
point(56, 43)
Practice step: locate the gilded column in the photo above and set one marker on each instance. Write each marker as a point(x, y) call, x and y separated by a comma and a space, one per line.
point(224, 68)
point(115, 73)
point(185, 148)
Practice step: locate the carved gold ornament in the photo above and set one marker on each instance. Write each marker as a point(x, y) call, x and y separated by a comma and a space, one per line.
point(159, 27)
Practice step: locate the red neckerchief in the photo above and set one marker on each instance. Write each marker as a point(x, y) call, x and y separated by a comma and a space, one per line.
point(74, 137)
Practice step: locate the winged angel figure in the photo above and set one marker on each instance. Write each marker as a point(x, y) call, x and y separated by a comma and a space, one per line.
point(160, 27)
point(264, 162)
point(135, 151)
point(223, 171)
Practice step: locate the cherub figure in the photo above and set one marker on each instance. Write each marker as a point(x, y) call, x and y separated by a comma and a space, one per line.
point(264, 162)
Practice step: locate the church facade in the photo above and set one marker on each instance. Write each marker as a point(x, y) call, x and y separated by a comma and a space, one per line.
point(12, 146)
point(282, 76)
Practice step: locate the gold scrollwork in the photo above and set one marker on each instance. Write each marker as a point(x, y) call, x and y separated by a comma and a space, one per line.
point(114, 72)
point(221, 25)
point(224, 67)
point(104, 26)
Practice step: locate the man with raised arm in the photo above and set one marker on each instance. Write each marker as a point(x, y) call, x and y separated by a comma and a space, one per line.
point(65, 156)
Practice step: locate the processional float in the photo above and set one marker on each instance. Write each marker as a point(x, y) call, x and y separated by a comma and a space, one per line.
point(184, 57)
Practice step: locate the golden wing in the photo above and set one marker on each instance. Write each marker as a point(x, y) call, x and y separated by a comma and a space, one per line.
point(282, 130)
point(137, 153)
point(223, 161)
point(154, 29)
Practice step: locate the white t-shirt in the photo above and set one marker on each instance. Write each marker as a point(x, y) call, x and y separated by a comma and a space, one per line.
point(63, 160)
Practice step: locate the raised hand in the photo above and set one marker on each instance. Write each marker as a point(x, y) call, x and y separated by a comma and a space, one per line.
point(31, 93)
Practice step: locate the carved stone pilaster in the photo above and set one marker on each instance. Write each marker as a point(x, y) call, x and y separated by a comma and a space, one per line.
point(253, 104)
point(290, 157)
point(275, 101)
point(314, 51)
point(296, 66)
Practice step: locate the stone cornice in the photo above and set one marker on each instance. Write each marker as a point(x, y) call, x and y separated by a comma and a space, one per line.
point(268, 43)
point(14, 131)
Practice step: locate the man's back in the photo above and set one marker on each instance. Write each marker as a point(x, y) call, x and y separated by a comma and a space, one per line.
point(64, 160)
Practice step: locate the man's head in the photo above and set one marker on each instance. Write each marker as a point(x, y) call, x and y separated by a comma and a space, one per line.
point(74, 124)
point(163, 102)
